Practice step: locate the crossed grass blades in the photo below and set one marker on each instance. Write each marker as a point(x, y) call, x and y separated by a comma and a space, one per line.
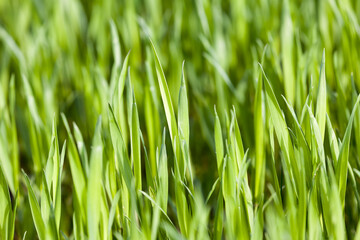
point(107, 133)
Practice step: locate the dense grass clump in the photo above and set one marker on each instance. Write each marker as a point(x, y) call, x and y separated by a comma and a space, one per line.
point(204, 119)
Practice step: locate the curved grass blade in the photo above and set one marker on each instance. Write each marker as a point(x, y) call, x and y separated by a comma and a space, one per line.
point(183, 111)
point(342, 163)
point(35, 210)
point(94, 186)
point(320, 113)
point(219, 145)
point(166, 97)
point(260, 162)
point(76, 169)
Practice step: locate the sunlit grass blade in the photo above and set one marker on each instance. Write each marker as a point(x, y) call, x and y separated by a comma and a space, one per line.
point(334, 146)
point(119, 146)
point(57, 200)
point(81, 148)
point(260, 162)
point(118, 99)
point(287, 47)
point(5, 160)
point(135, 146)
point(320, 113)
point(94, 186)
point(163, 175)
point(47, 210)
point(35, 209)
point(281, 130)
point(219, 145)
point(14, 138)
point(166, 97)
point(7, 214)
point(342, 163)
point(151, 130)
point(77, 172)
point(183, 109)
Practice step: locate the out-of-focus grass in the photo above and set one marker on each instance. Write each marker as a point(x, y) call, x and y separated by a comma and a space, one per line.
point(107, 107)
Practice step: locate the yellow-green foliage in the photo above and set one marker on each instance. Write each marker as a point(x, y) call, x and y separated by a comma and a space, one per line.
point(155, 119)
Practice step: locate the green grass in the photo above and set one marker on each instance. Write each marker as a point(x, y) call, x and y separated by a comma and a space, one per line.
point(156, 119)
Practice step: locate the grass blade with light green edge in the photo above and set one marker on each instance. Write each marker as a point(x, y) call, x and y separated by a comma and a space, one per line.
point(232, 213)
point(275, 181)
point(116, 50)
point(135, 146)
point(181, 202)
point(130, 99)
point(53, 162)
point(281, 130)
point(320, 113)
point(219, 145)
point(287, 45)
point(162, 188)
point(239, 142)
point(118, 99)
point(314, 231)
point(94, 186)
point(119, 146)
point(31, 102)
point(212, 190)
point(13, 216)
point(5, 161)
point(334, 146)
point(148, 174)
point(5, 208)
point(115, 44)
point(81, 148)
point(303, 157)
point(166, 98)
point(183, 110)
point(342, 163)
point(316, 138)
point(356, 119)
point(181, 206)
point(47, 210)
point(300, 141)
point(260, 162)
point(36, 124)
point(246, 209)
point(120, 84)
point(53, 180)
point(123, 164)
point(35, 210)
point(333, 208)
point(76, 169)
point(57, 199)
point(114, 204)
point(151, 127)
point(104, 215)
point(14, 139)
point(183, 126)
point(219, 217)
point(163, 175)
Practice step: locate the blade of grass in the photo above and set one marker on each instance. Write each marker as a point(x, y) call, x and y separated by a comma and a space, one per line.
point(94, 186)
point(342, 162)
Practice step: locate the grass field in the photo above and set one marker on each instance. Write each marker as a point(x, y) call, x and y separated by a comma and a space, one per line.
point(155, 119)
